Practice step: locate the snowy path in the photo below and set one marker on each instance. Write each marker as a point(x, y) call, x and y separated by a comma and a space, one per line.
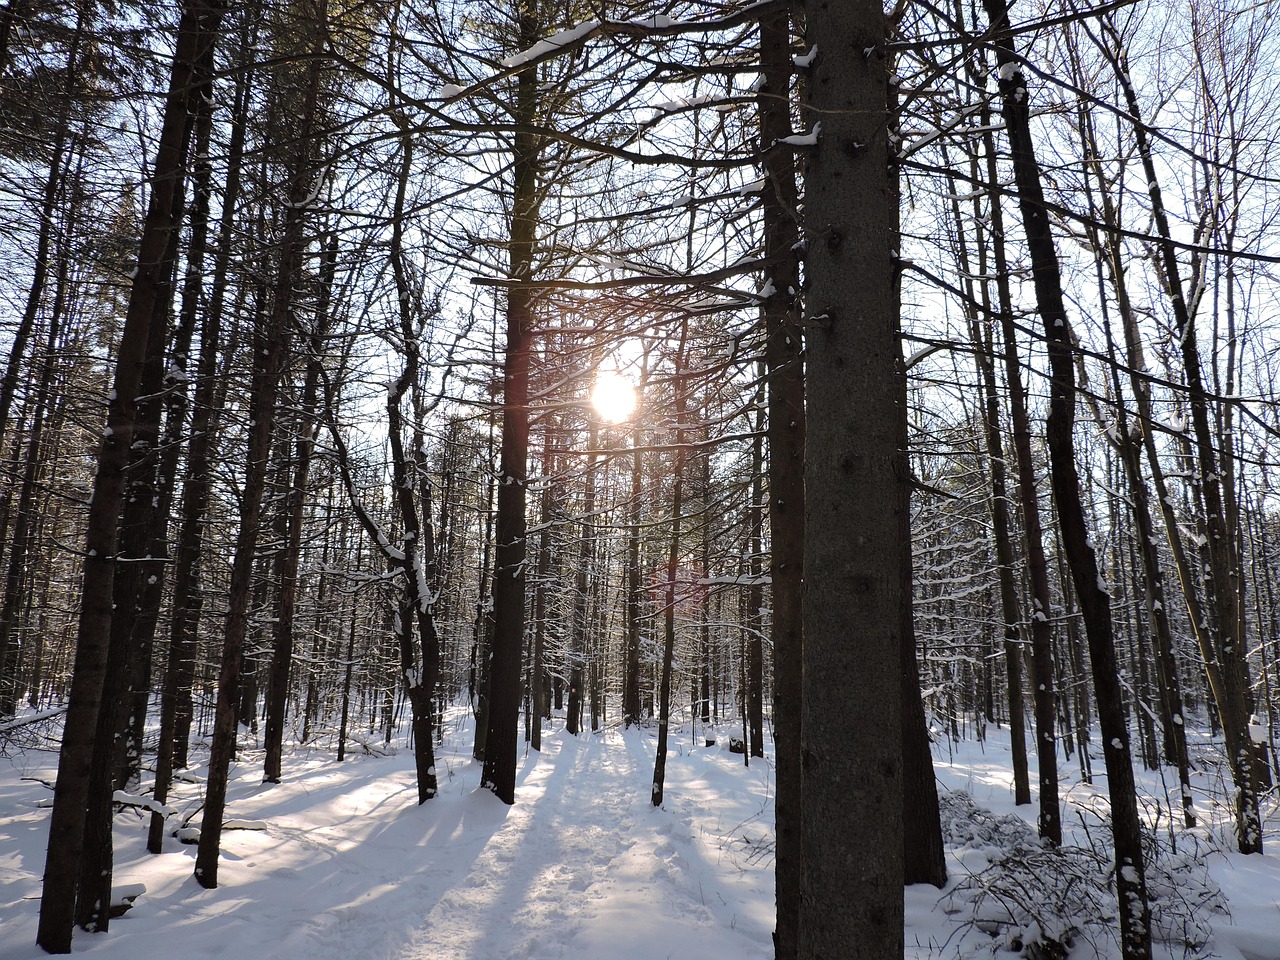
point(346, 865)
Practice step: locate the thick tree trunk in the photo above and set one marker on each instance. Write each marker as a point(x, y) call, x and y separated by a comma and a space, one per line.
point(785, 372)
point(138, 516)
point(179, 676)
point(196, 31)
point(853, 603)
point(499, 772)
point(924, 857)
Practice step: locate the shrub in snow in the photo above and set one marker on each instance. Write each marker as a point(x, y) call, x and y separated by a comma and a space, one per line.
point(1039, 902)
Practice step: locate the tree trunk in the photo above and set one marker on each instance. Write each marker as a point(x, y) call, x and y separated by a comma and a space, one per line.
point(1219, 549)
point(270, 348)
point(1050, 821)
point(853, 610)
point(981, 338)
point(670, 594)
point(295, 509)
point(1095, 604)
point(631, 666)
point(499, 772)
point(578, 644)
point(179, 676)
point(785, 372)
point(196, 31)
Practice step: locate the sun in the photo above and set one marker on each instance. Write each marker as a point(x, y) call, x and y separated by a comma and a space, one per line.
point(613, 396)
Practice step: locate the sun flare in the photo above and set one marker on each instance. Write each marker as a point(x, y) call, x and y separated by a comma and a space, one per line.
point(613, 396)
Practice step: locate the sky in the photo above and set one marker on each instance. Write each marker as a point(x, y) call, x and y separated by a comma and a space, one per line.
point(338, 862)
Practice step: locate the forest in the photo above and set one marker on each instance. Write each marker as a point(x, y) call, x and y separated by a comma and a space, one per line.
point(836, 389)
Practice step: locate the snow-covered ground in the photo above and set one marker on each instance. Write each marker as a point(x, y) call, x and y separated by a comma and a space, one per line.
point(341, 864)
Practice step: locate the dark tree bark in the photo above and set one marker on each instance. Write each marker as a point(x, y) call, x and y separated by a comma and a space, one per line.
point(670, 593)
point(923, 855)
point(1095, 604)
point(785, 371)
point(196, 31)
point(179, 675)
point(271, 344)
point(1219, 550)
point(499, 772)
point(853, 604)
point(1042, 680)
point(138, 517)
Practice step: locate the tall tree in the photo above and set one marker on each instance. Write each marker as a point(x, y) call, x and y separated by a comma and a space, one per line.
point(499, 773)
point(197, 31)
point(785, 375)
point(271, 344)
point(1095, 602)
point(852, 555)
point(670, 589)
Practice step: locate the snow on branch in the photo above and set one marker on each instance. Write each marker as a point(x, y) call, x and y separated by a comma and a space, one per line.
point(575, 37)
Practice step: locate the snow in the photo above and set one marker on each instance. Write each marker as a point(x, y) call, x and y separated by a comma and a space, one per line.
point(683, 103)
point(338, 862)
point(809, 139)
point(804, 61)
point(552, 43)
point(656, 22)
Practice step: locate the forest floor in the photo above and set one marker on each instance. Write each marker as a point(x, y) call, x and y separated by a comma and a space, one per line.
point(339, 863)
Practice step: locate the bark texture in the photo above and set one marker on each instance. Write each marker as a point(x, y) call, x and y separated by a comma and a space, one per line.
point(852, 836)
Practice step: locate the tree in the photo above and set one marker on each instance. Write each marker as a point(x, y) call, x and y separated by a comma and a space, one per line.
point(1095, 602)
point(509, 557)
point(786, 417)
point(853, 471)
point(272, 337)
point(670, 584)
point(197, 31)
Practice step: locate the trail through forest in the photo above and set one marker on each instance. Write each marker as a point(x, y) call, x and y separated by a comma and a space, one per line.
point(338, 862)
